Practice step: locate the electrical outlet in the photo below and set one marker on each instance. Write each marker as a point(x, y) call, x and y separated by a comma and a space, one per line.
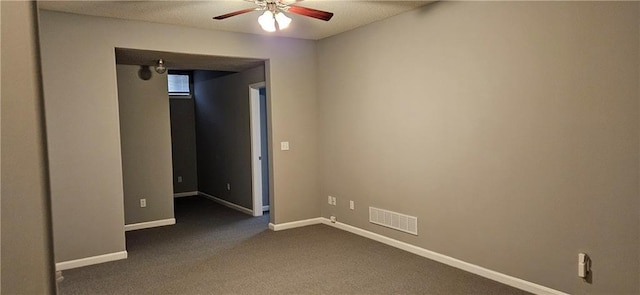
point(143, 203)
point(584, 265)
point(352, 205)
point(228, 186)
point(333, 201)
point(329, 199)
point(179, 178)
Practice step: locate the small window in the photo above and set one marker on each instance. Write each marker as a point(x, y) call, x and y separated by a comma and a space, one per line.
point(179, 85)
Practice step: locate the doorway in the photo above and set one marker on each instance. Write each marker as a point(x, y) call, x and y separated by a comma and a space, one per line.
point(219, 135)
point(259, 148)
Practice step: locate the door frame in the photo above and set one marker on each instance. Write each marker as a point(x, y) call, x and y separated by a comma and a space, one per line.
point(256, 147)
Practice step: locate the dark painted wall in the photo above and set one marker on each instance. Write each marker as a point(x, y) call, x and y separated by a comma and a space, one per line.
point(264, 138)
point(183, 145)
point(223, 134)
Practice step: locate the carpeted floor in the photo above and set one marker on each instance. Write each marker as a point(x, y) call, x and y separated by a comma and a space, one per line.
point(215, 250)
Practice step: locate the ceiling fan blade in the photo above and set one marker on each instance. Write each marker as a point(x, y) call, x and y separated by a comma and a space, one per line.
point(220, 17)
point(310, 12)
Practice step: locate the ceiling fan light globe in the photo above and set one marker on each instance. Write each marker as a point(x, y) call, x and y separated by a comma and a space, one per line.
point(269, 27)
point(267, 22)
point(283, 20)
point(265, 16)
point(160, 67)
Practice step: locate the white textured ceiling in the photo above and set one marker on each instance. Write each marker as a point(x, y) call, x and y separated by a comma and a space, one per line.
point(347, 14)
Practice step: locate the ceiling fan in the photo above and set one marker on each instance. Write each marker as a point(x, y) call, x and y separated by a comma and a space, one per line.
point(274, 13)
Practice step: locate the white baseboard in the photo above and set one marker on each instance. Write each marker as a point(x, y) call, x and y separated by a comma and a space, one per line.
point(91, 260)
point(185, 194)
point(468, 267)
point(149, 224)
point(227, 203)
point(294, 224)
point(265, 208)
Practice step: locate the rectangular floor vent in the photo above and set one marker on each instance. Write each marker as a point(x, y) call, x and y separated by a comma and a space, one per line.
point(401, 222)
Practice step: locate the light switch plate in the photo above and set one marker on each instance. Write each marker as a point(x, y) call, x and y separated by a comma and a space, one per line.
point(284, 145)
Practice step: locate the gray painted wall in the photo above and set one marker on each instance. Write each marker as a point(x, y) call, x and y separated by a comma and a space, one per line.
point(495, 105)
point(83, 133)
point(83, 125)
point(0, 162)
point(145, 138)
point(183, 145)
point(224, 135)
point(26, 257)
point(509, 129)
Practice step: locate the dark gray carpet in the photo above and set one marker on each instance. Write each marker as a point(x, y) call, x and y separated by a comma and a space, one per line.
point(215, 250)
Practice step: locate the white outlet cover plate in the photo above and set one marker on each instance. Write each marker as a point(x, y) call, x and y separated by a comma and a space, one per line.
point(284, 145)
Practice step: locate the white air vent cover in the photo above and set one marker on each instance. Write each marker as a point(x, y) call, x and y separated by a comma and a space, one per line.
point(401, 222)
